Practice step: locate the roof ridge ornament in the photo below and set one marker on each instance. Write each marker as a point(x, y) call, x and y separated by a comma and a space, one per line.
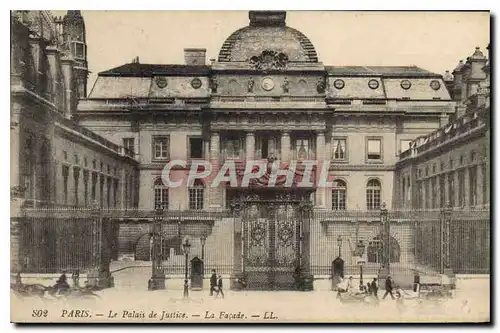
point(267, 18)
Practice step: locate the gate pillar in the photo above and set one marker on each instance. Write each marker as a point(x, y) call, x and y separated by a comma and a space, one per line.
point(307, 279)
point(445, 245)
point(237, 276)
point(99, 275)
point(157, 280)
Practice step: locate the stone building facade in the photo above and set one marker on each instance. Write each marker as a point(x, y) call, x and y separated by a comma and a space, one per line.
point(266, 97)
point(452, 165)
point(55, 162)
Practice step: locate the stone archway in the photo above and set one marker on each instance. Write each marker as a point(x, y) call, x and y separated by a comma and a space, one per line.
point(142, 247)
point(375, 253)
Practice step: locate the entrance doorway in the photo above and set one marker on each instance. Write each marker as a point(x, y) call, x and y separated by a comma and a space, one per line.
point(272, 242)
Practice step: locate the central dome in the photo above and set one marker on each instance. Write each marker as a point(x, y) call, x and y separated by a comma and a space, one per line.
point(267, 32)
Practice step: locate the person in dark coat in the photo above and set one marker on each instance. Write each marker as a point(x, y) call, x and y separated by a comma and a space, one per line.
point(219, 287)
point(374, 288)
point(388, 287)
point(369, 288)
point(213, 282)
point(62, 285)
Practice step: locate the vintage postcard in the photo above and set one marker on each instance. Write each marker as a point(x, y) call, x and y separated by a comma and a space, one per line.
point(250, 166)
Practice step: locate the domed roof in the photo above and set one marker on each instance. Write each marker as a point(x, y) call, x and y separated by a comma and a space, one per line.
point(267, 32)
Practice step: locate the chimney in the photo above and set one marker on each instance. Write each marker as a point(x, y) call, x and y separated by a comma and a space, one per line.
point(195, 57)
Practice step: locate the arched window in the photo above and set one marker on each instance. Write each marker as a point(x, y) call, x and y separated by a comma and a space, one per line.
point(375, 250)
point(339, 195)
point(161, 194)
point(196, 195)
point(373, 190)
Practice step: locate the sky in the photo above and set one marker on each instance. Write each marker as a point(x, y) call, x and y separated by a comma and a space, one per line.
point(435, 41)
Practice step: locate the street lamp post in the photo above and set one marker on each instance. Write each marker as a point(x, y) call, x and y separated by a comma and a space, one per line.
point(186, 246)
point(339, 242)
point(361, 273)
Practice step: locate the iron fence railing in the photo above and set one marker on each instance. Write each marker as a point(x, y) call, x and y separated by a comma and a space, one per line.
point(52, 240)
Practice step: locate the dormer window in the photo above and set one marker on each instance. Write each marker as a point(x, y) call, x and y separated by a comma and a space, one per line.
point(78, 49)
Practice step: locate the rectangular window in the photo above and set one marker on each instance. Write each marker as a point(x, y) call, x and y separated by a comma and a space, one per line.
point(161, 148)
point(233, 147)
point(94, 187)
point(161, 197)
point(451, 189)
point(76, 176)
point(473, 186)
point(427, 192)
point(434, 192)
point(374, 149)
point(303, 148)
point(195, 147)
point(129, 145)
point(461, 188)
point(86, 187)
point(339, 149)
point(267, 146)
point(115, 204)
point(101, 190)
point(108, 193)
point(196, 198)
point(420, 203)
point(65, 173)
point(79, 50)
point(404, 145)
point(442, 188)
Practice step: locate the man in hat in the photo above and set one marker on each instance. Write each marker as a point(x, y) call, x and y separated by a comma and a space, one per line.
point(213, 282)
point(388, 287)
point(374, 288)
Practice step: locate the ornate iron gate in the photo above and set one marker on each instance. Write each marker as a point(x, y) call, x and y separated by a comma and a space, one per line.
point(273, 239)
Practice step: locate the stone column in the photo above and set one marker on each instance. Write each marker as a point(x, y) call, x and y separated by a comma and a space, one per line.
point(285, 152)
point(320, 160)
point(250, 146)
point(215, 193)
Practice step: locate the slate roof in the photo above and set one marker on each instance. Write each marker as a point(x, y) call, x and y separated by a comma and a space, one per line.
point(385, 71)
point(147, 70)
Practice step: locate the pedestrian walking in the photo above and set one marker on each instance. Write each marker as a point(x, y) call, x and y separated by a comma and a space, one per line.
point(388, 288)
point(76, 278)
point(374, 288)
point(369, 288)
point(213, 282)
point(219, 287)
